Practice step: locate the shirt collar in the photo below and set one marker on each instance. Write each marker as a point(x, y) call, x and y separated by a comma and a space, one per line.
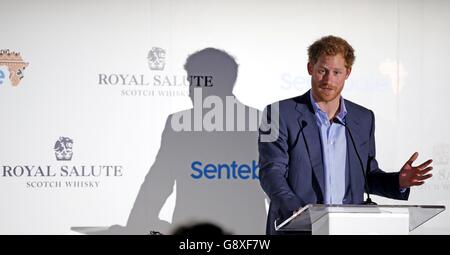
point(323, 115)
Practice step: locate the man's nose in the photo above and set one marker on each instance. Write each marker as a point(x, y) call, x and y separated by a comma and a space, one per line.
point(326, 77)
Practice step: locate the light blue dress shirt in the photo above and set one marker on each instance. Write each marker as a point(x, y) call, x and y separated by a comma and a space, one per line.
point(334, 149)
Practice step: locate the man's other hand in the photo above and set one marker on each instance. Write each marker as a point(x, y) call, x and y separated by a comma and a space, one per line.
point(414, 175)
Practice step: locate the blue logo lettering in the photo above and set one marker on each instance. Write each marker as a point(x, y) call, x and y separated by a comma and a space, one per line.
point(198, 170)
point(225, 171)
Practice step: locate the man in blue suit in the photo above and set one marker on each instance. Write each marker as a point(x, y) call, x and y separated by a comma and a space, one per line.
point(324, 147)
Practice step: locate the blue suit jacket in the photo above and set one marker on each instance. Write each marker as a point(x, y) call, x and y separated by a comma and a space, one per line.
point(291, 167)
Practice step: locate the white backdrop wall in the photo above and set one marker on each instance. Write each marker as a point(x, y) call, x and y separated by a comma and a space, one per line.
point(402, 48)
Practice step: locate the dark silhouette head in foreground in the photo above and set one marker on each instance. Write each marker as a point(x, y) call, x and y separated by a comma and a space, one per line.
point(200, 229)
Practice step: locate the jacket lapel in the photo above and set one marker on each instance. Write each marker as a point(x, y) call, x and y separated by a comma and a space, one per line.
point(355, 173)
point(311, 135)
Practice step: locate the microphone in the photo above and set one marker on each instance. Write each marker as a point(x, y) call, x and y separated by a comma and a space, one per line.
point(366, 185)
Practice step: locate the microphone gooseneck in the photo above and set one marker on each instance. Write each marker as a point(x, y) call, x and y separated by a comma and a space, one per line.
point(366, 185)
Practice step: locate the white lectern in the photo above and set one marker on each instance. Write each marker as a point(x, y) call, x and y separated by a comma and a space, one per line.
point(359, 219)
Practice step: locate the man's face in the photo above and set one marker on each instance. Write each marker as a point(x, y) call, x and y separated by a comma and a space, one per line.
point(328, 76)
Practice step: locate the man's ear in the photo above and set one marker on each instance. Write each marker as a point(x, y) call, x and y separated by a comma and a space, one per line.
point(310, 68)
point(349, 70)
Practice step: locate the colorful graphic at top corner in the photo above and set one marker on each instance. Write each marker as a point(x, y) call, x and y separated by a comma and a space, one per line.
point(14, 63)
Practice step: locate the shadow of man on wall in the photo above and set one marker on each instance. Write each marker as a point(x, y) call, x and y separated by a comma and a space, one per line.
point(210, 153)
